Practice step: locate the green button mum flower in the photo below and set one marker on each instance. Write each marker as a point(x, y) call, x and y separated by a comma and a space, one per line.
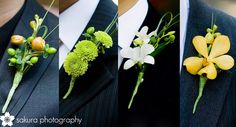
point(86, 50)
point(104, 38)
point(74, 66)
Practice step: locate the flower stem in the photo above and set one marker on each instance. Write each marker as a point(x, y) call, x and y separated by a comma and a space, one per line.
point(16, 82)
point(139, 81)
point(72, 82)
point(202, 84)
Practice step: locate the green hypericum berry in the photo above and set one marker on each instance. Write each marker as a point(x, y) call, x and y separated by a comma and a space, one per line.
point(30, 39)
point(90, 30)
point(32, 24)
point(74, 66)
point(153, 40)
point(171, 32)
point(51, 50)
point(13, 60)
point(104, 38)
point(172, 38)
point(34, 60)
point(86, 50)
point(11, 51)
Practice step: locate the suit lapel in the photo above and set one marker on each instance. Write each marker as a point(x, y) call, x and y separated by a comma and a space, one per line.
point(98, 75)
point(211, 104)
point(31, 78)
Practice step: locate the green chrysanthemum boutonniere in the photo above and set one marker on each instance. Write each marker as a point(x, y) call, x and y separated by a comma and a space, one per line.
point(26, 52)
point(77, 62)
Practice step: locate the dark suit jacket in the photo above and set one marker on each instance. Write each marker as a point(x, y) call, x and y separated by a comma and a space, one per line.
point(37, 94)
point(94, 97)
point(156, 104)
point(217, 107)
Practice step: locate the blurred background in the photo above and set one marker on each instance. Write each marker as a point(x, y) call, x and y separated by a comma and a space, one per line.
point(228, 6)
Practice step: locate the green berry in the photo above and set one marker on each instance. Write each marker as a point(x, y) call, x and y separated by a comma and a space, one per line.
point(34, 60)
point(153, 40)
point(13, 60)
point(11, 51)
point(90, 30)
point(51, 50)
point(30, 39)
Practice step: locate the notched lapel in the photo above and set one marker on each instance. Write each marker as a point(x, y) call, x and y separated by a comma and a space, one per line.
point(86, 88)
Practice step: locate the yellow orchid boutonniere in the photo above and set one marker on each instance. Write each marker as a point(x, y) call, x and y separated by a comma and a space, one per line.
point(211, 60)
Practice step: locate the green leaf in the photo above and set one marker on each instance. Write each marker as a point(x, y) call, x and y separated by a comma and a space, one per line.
point(45, 55)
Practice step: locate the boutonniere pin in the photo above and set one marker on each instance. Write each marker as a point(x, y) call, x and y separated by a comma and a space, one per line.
point(146, 46)
point(26, 52)
point(212, 58)
point(77, 62)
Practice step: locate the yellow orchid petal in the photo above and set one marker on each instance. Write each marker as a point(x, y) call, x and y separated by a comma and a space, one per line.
point(193, 64)
point(209, 70)
point(200, 45)
point(224, 62)
point(221, 46)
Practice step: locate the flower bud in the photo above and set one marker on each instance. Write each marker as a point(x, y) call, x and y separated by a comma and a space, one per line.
point(51, 50)
point(38, 44)
point(215, 27)
point(40, 21)
point(36, 16)
point(34, 60)
point(217, 34)
point(32, 24)
point(13, 60)
point(209, 38)
point(90, 30)
point(171, 32)
point(209, 30)
point(11, 51)
point(17, 39)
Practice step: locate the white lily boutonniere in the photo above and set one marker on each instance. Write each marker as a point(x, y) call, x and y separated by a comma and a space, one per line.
point(147, 47)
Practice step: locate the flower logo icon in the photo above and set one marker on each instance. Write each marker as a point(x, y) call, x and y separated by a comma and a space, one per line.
point(7, 119)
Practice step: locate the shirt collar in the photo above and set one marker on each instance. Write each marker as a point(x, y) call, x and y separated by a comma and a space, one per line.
point(74, 20)
point(130, 22)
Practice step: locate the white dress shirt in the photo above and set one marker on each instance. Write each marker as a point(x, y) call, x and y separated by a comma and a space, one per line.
point(73, 21)
point(129, 23)
point(184, 10)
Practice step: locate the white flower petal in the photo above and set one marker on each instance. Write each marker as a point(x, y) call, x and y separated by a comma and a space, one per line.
point(146, 49)
point(12, 118)
point(149, 59)
point(126, 52)
point(2, 118)
point(10, 124)
point(144, 30)
point(152, 33)
point(146, 40)
point(4, 123)
point(128, 64)
point(7, 114)
point(136, 54)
